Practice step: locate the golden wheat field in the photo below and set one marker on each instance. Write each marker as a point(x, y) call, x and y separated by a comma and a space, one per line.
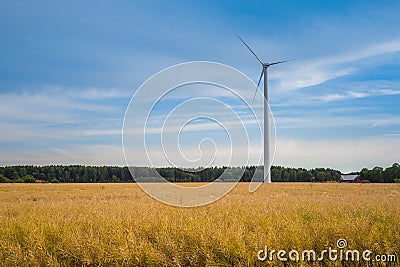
point(119, 225)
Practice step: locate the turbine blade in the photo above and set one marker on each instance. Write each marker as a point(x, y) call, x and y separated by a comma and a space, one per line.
point(279, 62)
point(259, 80)
point(258, 84)
point(254, 97)
point(250, 50)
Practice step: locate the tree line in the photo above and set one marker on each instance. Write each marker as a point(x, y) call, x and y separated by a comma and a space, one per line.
point(105, 174)
point(380, 175)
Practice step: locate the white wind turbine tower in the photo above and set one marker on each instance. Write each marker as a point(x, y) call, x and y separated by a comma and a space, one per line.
point(264, 72)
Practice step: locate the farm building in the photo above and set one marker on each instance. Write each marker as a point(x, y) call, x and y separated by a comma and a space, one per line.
point(350, 178)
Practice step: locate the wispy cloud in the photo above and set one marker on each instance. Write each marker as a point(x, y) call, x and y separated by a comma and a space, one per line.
point(338, 97)
point(332, 97)
point(76, 154)
point(313, 121)
point(47, 106)
point(355, 95)
point(96, 93)
point(389, 92)
point(317, 71)
point(345, 155)
point(54, 114)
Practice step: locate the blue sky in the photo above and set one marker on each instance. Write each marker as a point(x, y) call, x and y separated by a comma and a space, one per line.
point(68, 70)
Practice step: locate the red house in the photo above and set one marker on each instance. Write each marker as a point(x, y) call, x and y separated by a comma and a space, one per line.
point(350, 178)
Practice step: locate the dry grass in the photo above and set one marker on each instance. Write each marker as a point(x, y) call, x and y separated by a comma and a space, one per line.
point(119, 225)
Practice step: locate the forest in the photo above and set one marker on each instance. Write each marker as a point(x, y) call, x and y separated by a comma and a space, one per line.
point(105, 174)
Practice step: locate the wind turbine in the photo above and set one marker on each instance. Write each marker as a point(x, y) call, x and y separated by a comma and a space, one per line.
point(264, 72)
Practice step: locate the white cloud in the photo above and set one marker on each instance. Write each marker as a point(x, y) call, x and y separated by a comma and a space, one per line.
point(357, 94)
point(389, 92)
point(54, 115)
point(332, 97)
point(345, 155)
point(98, 155)
point(96, 93)
point(307, 74)
point(313, 72)
point(312, 121)
point(338, 97)
point(46, 107)
point(353, 95)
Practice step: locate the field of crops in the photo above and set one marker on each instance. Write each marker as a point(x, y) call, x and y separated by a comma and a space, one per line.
point(119, 225)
